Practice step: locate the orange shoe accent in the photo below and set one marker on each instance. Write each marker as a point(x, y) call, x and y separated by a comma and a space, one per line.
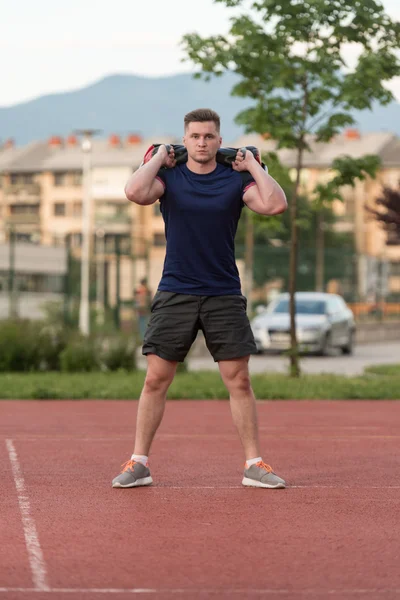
point(264, 465)
point(128, 466)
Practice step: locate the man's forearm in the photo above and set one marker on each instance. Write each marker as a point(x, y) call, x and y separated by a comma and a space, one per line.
point(139, 184)
point(272, 195)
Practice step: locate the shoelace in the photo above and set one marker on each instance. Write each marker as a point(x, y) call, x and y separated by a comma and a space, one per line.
point(264, 466)
point(128, 466)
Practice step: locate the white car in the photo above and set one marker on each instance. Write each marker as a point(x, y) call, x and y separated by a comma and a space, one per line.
point(323, 321)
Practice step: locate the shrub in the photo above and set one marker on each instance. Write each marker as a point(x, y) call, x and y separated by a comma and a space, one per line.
point(19, 346)
point(80, 355)
point(52, 340)
point(119, 353)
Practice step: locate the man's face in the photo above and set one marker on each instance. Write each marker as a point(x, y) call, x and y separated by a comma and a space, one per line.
point(202, 141)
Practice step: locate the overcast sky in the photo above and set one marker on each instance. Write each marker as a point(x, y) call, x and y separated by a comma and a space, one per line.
point(47, 46)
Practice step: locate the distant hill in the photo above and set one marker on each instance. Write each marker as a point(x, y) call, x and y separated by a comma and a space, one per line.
point(150, 106)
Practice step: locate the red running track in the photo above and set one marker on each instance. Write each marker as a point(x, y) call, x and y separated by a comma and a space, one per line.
point(197, 533)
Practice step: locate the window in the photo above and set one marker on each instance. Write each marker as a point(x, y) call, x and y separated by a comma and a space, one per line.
point(59, 179)
point(24, 209)
point(303, 307)
point(25, 179)
point(115, 242)
point(159, 239)
point(394, 268)
point(59, 209)
point(334, 306)
point(40, 283)
point(76, 178)
point(24, 238)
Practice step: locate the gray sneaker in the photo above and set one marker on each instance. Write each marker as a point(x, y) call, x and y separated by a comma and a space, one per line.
point(261, 475)
point(133, 474)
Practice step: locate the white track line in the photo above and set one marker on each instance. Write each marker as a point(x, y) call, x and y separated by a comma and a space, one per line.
point(35, 554)
point(313, 437)
point(217, 591)
point(289, 487)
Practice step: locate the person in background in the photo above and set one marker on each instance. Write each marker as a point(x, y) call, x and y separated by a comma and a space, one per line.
point(142, 304)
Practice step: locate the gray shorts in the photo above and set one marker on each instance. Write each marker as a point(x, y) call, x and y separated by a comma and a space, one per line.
point(176, 319)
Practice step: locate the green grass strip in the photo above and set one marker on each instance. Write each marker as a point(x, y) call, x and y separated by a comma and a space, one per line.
point(201, 385)
point(388, 370)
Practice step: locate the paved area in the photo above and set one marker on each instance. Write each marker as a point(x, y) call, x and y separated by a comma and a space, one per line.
point(364, 355)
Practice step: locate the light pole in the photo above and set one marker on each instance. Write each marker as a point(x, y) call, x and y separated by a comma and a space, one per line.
point(100, 251)
point(84, 314)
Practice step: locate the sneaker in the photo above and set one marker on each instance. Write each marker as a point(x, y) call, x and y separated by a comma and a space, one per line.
point(261, 475)
point(133, 474)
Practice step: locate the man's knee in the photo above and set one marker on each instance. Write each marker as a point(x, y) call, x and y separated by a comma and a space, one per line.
point(238, 380)
point(159, 379)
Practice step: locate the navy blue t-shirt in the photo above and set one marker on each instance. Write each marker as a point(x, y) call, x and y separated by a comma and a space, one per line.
point(201, 214)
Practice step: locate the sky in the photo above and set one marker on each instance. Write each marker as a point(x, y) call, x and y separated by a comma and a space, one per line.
point(49, 47)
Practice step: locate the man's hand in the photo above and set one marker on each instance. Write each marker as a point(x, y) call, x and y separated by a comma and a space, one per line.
point(168, 157)
point(242, 161)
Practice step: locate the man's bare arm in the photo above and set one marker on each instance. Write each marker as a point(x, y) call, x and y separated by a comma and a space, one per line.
point(267, 196)
point(142, 187)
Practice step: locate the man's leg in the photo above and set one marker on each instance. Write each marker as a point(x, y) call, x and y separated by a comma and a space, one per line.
point(230, 340)
point(160, 374)
point(235, 375)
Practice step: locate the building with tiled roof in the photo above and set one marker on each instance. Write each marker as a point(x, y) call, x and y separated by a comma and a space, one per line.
point(41, 194)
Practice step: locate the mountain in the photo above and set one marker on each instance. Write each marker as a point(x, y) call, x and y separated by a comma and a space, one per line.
point(149, 106)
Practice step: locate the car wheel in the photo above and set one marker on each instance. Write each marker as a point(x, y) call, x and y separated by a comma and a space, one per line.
point(349, 347)
point(326, 346)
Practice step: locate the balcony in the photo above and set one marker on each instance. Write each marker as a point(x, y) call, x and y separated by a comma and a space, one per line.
point(113, 223)
point(116, 218)
point(23, 219)
point(22, 192)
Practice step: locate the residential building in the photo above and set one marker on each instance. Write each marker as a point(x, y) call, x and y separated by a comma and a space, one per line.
point(353, 217)
point(41, 198)
point(31, 276)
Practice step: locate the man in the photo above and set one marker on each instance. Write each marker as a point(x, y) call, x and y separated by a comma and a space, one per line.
point(201, 202)
point(143, 303)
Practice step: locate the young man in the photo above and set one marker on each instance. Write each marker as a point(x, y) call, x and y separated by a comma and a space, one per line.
point(201, 202)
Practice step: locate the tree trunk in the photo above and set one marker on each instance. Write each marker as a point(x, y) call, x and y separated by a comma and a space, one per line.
point(294, 355)
point(319, 253)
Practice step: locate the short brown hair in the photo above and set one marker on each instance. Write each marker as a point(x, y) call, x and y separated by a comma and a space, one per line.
point(201, 115)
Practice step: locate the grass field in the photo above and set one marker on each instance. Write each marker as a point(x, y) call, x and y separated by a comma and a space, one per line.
point(380, 382)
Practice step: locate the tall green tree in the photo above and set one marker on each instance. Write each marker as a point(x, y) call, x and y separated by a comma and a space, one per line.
point(290, 61)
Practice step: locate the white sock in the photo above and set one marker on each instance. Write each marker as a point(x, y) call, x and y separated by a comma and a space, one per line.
point(140, 458)
point(253, 461)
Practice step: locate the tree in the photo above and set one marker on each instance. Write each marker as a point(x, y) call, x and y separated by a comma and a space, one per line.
point(345, 171)
point(389, 217)
point(289, 58)
point(275, 231)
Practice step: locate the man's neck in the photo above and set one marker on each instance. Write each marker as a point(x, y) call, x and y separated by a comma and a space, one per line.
point(201, 168)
